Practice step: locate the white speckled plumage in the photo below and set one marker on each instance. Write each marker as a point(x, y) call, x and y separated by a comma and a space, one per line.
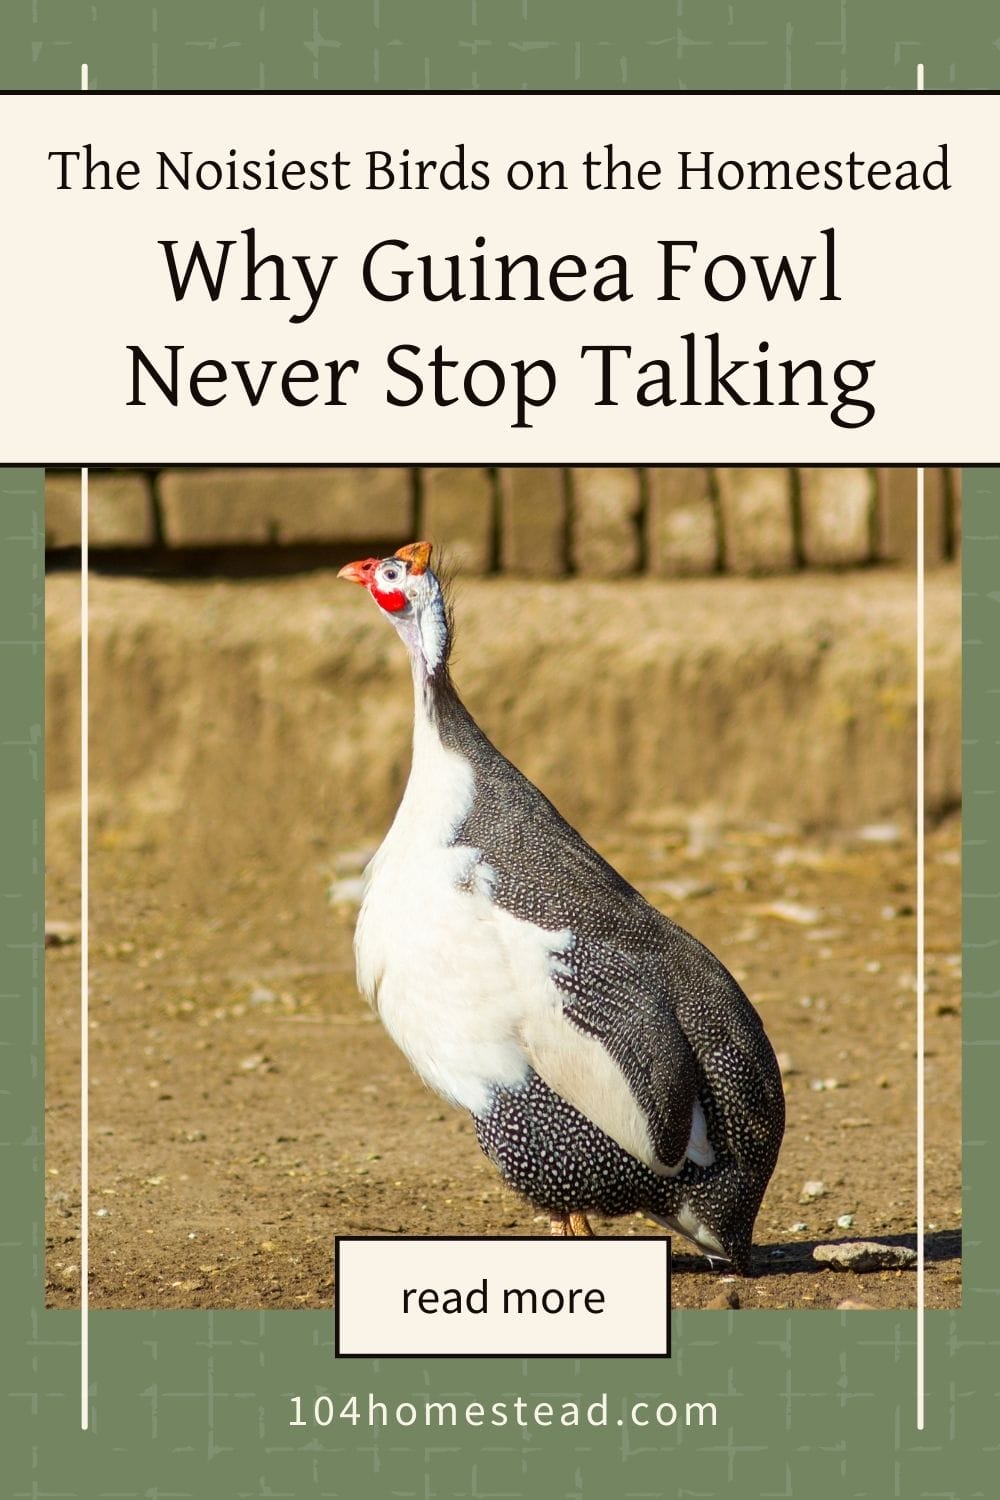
point(464, 988)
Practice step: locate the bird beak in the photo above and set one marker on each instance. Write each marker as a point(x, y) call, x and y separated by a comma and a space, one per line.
point(359, 572)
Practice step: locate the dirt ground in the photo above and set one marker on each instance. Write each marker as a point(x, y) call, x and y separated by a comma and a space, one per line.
point(246, 1107)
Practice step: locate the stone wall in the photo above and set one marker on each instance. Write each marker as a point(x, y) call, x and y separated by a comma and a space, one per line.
point(231, 719)
point(532, 522)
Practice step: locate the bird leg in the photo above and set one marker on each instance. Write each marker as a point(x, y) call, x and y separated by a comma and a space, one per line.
point(570, 1227)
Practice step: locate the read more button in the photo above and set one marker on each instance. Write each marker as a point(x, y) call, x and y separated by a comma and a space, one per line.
point(502, 1297)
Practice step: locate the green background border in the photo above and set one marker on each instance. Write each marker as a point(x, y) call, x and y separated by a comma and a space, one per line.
point(196, 1404)
point(505, 44)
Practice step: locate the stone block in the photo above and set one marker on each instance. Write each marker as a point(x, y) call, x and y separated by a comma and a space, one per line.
point(120, 510)
point(955, 514)
point(837, 516)
point(897, 516)
point(62, 510)
point(533, 522)
point(285, 507)
point(937, 521)
point(756, 505)
point(352, 504)
point(682, 535)
point(605, 539)
point(458, 515)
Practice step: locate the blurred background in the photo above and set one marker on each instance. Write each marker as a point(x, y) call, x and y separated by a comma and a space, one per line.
point(710, 672)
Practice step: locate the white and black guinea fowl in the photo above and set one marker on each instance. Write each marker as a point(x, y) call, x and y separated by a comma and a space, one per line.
point(609, 1061)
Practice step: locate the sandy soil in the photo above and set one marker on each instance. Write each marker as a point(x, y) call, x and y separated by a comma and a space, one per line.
point(246, 1107)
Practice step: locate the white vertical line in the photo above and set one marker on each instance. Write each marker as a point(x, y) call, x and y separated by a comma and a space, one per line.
point(920, 950)
point(84, 945)
point(84, 923)
point(920, 924)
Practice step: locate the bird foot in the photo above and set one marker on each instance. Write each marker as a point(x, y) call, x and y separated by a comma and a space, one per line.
point(571, 1227)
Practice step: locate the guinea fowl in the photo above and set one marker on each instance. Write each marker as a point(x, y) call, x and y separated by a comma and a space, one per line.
point(610, 1062)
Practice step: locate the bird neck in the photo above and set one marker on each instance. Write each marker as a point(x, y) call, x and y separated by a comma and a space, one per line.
point(439, 715)
point(427, 637)
point(428, 641)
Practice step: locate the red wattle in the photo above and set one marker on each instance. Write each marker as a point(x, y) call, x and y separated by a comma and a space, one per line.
point(392, 602)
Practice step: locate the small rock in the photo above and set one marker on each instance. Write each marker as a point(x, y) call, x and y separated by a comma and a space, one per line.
point(880, 833)
point(261, 995)
point(846, 1221)
point(790, 911)
point(684, 890)
point(866, 1255)
point(798, 1227)
point(58, 934)
point(785, 1065)
point(825, 1085)
point(811, 1191)
point(347, 891)
point(849, 1305)
point(259, 1062)
point(728, 1298)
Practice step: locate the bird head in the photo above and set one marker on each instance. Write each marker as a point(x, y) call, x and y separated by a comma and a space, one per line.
point(398, 584)
point(405, 589)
